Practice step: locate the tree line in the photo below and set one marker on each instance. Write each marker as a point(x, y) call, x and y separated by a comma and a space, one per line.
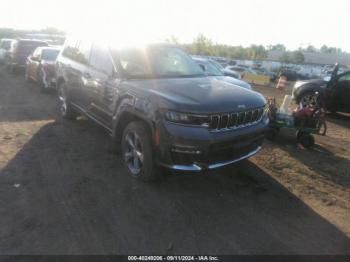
point(17, 33)
point(202, 45)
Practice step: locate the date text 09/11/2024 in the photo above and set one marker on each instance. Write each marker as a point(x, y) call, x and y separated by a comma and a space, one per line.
point(173, 258)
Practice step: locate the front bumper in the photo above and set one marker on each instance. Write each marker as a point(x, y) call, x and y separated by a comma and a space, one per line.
point(186, 148)
point(202, 166)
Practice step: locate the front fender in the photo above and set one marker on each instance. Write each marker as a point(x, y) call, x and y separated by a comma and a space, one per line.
point(299, 92)
point(133, 107)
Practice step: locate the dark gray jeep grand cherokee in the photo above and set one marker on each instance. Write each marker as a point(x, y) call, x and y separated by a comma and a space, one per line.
point(160, 107)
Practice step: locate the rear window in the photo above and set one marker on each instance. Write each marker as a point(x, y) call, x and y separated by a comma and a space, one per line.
point(28, 46)
point(49, 54)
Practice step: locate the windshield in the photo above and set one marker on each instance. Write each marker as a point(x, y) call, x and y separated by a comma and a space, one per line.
point(157, 62)
point(28, 46)
point(5, 44)
point(216, 64)
point(49, 54)
point(210, 69)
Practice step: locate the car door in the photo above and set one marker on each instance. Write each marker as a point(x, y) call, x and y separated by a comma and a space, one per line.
point(35, 63)
point(31, 64)
point(342, 92)
point(102, 84)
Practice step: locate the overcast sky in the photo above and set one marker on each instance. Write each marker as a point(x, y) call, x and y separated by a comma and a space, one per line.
point(242, 22)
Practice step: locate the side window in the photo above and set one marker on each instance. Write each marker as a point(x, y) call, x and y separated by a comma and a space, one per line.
point(78, 51)
point(70, 49)
point(36, 53)
point(83, 53)
point(100, 60)
point(344, 78)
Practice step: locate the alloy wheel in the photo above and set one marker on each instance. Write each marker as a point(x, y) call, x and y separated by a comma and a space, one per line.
point(133, 153)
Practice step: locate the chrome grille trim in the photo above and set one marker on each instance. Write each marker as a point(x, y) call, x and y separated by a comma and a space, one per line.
point(235, 120)
point(224, 121)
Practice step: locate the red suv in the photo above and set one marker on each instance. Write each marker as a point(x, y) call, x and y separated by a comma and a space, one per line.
point(41, 67)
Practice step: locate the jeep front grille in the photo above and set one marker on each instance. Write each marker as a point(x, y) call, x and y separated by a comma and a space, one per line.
point(235, 120)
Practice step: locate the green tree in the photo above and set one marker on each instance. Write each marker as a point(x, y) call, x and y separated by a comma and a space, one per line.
point(52, 31)
point(256, 52)
point(202, 45)
point(331, 50)
point(277, 47)
point(311, 49)
point(172, 40)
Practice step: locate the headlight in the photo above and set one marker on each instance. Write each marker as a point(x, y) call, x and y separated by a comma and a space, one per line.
point(185, 118)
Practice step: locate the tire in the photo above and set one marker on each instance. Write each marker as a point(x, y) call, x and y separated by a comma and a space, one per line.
point(66, 109)
point(306, 140)
point(137, 152)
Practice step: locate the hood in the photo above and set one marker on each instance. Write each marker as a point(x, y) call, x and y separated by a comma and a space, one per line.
point(234, 81)
point(318, 82)
point(196, 95)
point(230, 72)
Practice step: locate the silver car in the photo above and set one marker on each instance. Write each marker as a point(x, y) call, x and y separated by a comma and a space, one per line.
point(211, 70)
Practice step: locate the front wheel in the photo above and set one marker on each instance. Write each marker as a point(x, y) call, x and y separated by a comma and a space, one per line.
point(65, 107)
point(305, 139)
point(137, 152)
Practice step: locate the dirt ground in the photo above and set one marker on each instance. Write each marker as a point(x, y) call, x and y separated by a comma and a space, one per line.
point(63, 192)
